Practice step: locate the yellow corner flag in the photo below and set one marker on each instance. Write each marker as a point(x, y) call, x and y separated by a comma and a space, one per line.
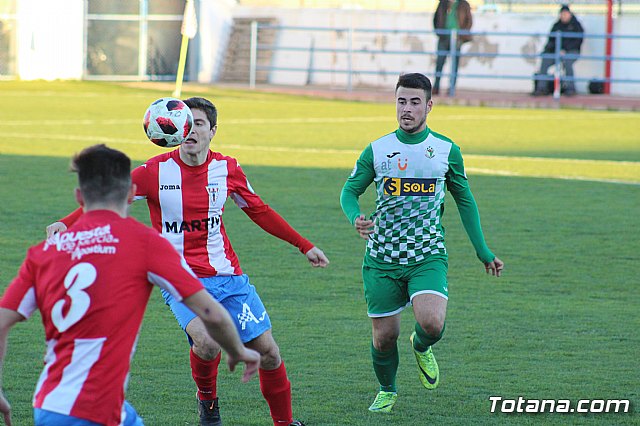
point(188, 30)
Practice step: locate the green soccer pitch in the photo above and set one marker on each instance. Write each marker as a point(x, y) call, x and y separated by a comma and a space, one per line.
point(559, 198)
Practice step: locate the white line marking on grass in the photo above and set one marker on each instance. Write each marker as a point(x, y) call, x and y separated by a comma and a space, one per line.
point(68, 122)
point(78, 138)
point(516, 174)
point(290, 149)
point(551, 159)
point(466, 156)
point(475, 157)
point(303, 120)
point(308, 120)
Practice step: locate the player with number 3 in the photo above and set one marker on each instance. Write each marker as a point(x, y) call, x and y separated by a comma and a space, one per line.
point(91, 285)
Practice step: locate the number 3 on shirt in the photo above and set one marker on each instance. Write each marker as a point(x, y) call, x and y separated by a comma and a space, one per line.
point(78, 278)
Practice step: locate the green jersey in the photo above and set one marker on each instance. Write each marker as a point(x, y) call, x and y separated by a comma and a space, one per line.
point(411, 173)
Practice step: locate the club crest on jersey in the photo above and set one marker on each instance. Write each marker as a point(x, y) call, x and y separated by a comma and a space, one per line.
point(430, 152)
point(409, 186)
point(213, 191)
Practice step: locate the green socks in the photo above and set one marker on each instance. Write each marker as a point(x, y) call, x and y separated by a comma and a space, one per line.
point(385, 365)
point(422, 341)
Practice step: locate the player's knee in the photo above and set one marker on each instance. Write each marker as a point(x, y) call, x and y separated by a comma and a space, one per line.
point(432, 326)
point(270, 358)
point(385, 341)
point(205, 347)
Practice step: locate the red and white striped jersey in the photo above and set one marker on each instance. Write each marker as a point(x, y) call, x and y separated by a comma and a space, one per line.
point(91, 285)
point(186, 205)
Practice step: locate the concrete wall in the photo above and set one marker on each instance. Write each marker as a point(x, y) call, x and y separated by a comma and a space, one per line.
point(215, 20)
point(382, 69)
point(50, 45)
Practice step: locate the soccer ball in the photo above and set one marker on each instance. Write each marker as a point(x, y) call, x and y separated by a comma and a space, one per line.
point(168, 122)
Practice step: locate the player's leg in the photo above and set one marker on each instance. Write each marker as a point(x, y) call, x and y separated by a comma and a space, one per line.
point(204, 358)
point(386, 297)
point(274, 382)
point(254, 326)
point(429, 296)
point(385, 359)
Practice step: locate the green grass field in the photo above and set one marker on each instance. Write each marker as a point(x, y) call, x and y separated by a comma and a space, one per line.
point(559, 196)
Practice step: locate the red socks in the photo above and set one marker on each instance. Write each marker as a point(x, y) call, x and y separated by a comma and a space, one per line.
point(205, 374)
point(274, 384)
point(276, 389)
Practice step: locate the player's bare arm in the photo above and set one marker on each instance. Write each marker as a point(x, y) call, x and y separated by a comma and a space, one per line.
point(317, 258)
point(364, 226)
point(494, 268)
point(8, 319)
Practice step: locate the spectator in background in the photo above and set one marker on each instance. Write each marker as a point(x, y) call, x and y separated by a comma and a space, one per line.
point(569, 50)
point(450, 15)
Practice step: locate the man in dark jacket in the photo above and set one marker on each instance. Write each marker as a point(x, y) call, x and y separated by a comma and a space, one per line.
point(569, 49)
point(450, 15)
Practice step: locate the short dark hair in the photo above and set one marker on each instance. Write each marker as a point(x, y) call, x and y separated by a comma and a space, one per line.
point(205, 105)
point(415, 80)
point(104, 174)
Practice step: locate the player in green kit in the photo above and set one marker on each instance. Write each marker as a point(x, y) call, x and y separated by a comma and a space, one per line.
point(406, 259)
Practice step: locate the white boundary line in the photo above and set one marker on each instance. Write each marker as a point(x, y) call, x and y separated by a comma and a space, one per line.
point(516, 174)
point(311, 120)
point(497, 172)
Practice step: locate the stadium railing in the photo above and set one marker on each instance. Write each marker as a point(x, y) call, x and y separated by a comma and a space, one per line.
point(349, 51)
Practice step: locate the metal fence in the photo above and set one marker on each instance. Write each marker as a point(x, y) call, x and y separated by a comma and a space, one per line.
point(348, 52)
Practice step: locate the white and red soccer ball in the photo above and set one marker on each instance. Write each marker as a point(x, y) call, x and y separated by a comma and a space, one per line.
point(168, 122)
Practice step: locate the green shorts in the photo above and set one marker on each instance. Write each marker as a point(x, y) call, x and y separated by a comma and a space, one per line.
point(389, 288)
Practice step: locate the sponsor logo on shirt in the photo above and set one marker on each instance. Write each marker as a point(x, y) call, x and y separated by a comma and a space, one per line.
point(169, 187)
point(402, 166)
point(81, 243)
point(192, 226)
point(409, 186)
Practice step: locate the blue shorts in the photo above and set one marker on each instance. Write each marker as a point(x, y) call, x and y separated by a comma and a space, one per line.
point(50, 418)
point(238, 296)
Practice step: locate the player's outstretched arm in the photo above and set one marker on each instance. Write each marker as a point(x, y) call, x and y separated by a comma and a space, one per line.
point(494, 268)
point(221, 328)
point(5, 409)
point(8, 319)
point(317, 258)
point(64, 223)
point(54, 228)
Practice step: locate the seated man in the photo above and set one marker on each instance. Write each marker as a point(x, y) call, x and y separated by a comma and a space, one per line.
point(569, 49)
